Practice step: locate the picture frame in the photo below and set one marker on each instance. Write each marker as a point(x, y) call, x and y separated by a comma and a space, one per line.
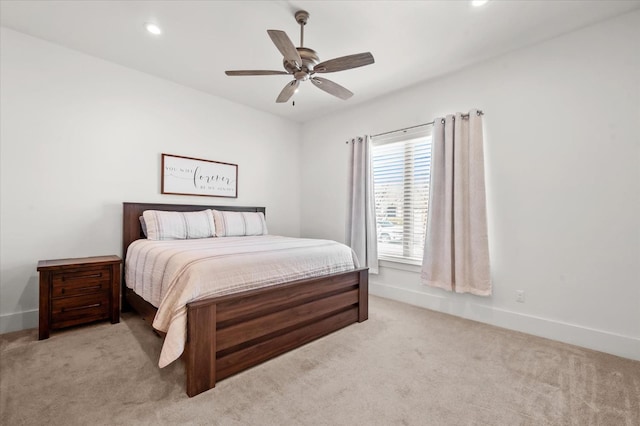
point(195, 176)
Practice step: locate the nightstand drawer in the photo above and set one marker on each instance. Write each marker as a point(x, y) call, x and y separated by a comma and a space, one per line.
point(79, 309)
point(70, 282)
point(82, 282)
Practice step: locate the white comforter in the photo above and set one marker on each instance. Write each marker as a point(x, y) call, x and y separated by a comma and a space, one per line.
point(170, 274)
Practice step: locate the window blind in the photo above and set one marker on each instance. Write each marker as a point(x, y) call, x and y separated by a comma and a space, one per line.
point(401, 170)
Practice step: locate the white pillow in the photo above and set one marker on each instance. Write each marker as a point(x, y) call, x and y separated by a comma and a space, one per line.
point(163, 225)
point(239, 224)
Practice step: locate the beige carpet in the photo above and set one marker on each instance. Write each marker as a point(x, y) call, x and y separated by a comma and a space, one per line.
point(404, 366)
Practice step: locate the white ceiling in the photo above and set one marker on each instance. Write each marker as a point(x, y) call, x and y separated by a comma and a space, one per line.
point(411, 41)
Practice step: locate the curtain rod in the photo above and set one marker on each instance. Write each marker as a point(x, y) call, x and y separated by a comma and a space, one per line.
point(479, 112)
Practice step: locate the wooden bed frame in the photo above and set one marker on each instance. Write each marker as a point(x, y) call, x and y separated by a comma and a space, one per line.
point(231, 333)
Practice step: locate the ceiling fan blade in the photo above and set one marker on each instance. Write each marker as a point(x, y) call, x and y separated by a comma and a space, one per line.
point(285, 46)
point(345, 63)
point(255, 72)
point(288, 91)
point(331, 88)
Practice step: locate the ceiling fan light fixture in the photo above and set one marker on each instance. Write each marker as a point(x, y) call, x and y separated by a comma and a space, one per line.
point(153, 28)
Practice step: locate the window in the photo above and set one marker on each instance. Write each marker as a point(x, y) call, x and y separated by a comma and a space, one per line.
point(401, 169)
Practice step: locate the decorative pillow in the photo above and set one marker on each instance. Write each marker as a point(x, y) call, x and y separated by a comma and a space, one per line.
point(143, 225)
point(239, 224)
point(163, 225)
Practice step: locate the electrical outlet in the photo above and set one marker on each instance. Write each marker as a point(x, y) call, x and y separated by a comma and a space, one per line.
point(520, 296)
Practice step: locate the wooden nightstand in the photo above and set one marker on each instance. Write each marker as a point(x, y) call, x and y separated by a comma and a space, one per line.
point(78, 291)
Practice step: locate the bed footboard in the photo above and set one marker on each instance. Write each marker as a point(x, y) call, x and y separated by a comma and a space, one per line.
point(228, 334)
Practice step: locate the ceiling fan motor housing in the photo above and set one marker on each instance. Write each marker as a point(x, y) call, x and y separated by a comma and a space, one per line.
point(309, 59)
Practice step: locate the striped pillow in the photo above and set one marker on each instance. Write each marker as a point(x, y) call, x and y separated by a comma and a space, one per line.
point(163, 225)
point(239, 224)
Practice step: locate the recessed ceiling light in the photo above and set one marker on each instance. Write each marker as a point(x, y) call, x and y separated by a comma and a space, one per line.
point(478, 3)
point(153, 28)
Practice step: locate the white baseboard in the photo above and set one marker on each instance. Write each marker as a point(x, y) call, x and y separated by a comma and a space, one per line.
point(18, 321)
point(615, 344)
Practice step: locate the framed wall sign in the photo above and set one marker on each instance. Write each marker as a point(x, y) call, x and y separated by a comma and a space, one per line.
point(193, 176)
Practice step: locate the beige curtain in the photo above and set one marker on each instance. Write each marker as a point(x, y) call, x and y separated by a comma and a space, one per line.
point(456, 252)
point(361, 219)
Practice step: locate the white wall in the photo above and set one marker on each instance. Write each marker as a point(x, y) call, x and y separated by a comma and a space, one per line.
point(562, 147)
point(80, 136)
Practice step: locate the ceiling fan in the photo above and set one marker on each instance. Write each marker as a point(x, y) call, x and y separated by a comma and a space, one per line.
point(303, 63)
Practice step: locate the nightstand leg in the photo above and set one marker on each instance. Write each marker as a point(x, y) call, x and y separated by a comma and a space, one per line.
point(44, 311)
point(115, 294)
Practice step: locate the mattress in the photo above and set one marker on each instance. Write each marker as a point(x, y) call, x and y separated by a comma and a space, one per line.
point(170, 274)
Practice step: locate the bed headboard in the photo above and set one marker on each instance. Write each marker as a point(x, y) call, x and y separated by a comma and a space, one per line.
point(131, 212)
